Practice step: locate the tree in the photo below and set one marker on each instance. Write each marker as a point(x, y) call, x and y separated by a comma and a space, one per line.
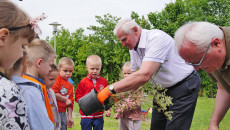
point(105, 44)
point(67, 45)
point(176, 14)
point(101, 42)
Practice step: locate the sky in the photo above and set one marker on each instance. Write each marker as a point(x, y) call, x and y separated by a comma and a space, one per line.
point(74, 14)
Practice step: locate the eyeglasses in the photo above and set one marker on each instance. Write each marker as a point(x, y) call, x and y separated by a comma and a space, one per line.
point(199, 64)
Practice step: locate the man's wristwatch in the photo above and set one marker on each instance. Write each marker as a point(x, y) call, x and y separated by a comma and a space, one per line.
point(111, 89)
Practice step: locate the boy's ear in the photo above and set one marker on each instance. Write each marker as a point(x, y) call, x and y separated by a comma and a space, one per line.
point(3, 34)
point(38, 62)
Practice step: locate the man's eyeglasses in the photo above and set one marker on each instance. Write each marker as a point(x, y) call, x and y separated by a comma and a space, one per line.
point(199, 64)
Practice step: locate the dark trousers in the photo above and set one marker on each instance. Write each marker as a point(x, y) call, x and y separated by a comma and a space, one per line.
point(184, 95)
point(96, 124)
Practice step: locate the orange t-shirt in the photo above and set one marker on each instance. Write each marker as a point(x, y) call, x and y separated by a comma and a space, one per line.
point(64, 88)
point(47, 102)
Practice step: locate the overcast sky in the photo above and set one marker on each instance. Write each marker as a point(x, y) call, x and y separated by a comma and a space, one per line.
point(73, 14)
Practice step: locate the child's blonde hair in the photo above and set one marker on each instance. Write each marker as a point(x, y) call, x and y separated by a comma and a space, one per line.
point(38, 49)
point(93, 59)
point(65, 61)
point(127, 64)
point(16, 21)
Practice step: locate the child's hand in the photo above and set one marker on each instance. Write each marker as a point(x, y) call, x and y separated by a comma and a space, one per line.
point(70, 123)
point(116, 116)
point(108, 113)
point(68, 102)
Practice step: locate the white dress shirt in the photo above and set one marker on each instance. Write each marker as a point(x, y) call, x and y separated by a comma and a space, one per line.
point(157, 46)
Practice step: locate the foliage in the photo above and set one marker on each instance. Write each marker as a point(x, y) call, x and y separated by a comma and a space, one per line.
point(104, 43)
point(68, 44)
point(181, 11)
point(127, 101)
point(162, 100)
point(141, 21)
point(178, 13)
point(101, 42)
point(207, 87)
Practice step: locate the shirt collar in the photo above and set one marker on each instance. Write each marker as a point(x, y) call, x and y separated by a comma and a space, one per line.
point(59, 76)
point(19, 80)
point(226, 31)
point(89, 77)
point(40, 80)
point(142, 41)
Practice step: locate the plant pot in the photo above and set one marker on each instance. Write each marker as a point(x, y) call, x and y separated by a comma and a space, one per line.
point(89, 103)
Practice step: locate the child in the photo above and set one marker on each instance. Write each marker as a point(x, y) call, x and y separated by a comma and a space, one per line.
point(129, 118)
point(64, 91)
point(49, 81)
point(33, 95)
point(15, 33)
point(40, 57)
point(92, 81)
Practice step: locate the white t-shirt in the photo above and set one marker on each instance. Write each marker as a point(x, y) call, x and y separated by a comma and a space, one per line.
point(157, 46)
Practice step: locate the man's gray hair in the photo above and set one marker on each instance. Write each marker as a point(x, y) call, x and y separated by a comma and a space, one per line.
point(198, 33)
point(126, 25)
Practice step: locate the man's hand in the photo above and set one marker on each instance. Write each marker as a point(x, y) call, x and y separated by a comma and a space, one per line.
point(68, 102)
point(103, 95)
point(213, 127)
point(222, 105)
point(70, 123)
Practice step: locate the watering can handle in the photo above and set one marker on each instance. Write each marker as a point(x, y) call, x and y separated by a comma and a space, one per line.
point(103, 95)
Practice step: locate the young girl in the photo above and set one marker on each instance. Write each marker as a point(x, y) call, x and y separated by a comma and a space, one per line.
point(49, 81)
point(15, 33)
point(128, 110)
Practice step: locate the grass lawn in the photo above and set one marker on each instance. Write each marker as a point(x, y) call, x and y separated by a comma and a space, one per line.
point(201, 117)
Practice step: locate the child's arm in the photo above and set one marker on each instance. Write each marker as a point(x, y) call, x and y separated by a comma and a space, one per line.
point(63, 99)
point(56, 88)
point(70, 122)
point(37, 113)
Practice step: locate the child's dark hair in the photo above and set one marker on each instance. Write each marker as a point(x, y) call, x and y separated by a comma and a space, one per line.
point(53, 68)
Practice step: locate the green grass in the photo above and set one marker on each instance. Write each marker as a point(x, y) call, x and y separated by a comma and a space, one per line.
point(201, 117)
point(203, 114)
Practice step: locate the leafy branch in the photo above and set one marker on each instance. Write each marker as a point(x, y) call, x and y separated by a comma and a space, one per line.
point(162, 100)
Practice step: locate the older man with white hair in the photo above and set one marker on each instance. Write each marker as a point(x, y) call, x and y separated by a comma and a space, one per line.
point(153, 52)
point(207, 46)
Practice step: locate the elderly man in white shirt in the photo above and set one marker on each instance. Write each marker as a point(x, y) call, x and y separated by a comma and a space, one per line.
point(153, 52)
